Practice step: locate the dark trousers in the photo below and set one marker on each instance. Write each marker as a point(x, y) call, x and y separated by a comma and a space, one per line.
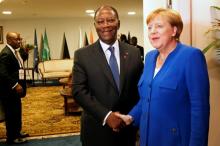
point(12, 105)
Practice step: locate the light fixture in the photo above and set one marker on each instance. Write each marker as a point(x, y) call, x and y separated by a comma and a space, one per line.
point(90, 11)
point(92, 14)
point(131, 13)
point(6, 12)
point(1, 1)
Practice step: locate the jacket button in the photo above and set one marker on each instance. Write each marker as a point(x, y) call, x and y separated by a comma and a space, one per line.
point(173, 130)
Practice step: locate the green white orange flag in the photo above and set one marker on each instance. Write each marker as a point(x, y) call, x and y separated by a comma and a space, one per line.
point(46, 49)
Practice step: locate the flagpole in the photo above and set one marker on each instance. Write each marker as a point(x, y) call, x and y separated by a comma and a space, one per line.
point(169, 4)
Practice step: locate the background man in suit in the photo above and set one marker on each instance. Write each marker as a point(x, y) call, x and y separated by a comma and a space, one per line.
point(97, 89)
point(11, 90)
point(123, 38)
point(134, 42)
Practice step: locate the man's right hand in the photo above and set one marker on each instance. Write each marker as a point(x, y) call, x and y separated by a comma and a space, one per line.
point(19, 89)
point(114, 121)
point(126, 118)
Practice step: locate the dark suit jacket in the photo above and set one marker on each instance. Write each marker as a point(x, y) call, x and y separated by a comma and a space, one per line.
point(141, 49)
point(9, 72)
point(95, 90)
point(22, 82)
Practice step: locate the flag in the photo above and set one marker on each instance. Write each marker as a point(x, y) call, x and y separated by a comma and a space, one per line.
point(86, 42)
point(46, 49)
point(36, 55)
point(80, 39)
point(129, 37)
point(66, 53)
point(41, 47)
point(91, 37)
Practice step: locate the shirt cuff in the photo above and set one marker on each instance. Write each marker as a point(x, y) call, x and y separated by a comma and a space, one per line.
point(104, 121)
point(14, 85)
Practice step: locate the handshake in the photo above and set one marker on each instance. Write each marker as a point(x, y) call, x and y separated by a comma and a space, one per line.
point(117, 121)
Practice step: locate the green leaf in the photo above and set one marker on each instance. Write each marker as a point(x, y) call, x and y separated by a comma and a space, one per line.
point(213, 44)
point(216, 7)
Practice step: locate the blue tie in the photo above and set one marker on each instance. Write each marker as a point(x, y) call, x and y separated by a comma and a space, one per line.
point(114, 66)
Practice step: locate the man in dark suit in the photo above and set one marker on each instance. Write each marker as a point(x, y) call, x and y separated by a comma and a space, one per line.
point(134, 42)
point(103, 88)
point(11, 89)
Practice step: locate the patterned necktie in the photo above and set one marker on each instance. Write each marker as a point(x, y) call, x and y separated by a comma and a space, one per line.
point(114, 66)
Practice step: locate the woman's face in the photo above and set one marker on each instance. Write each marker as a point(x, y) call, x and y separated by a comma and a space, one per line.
point(161, 33)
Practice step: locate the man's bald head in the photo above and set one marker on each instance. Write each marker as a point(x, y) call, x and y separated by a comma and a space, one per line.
point(13, 39)
point(11, 35)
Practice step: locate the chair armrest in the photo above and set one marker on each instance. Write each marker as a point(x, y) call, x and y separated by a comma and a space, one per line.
point(41, 69)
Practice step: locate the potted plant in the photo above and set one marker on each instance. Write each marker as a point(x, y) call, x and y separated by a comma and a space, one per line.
point(27, 47)
point(215, 30)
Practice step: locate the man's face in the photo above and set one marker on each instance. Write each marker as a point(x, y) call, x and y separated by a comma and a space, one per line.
point(133, 41)
point(15, 40)
point(107, 25)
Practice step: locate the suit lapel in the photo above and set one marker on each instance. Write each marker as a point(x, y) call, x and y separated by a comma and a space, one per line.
point(13, 56)
point(100, 58)
point(124, 56)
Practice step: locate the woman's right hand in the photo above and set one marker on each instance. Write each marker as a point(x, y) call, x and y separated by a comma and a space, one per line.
point(126, 118)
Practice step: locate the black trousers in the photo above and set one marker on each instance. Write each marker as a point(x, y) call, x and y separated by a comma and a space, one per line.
point(13, 120)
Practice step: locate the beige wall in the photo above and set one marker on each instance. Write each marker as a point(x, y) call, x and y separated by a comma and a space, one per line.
point(56, 27)
point(201, 21)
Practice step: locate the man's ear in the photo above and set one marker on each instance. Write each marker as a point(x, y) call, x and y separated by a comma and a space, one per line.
point(94, 24)
point(118, 24)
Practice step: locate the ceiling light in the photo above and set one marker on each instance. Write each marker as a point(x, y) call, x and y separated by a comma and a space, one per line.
point(1, 1)
point(92, 14)
point(6, 12)
point(90, 11)
point(131, 13)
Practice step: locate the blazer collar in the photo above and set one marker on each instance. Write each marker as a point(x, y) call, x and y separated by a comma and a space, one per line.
point(10, 52)
point(168, 62)
point(124, 56)
point(100, 58)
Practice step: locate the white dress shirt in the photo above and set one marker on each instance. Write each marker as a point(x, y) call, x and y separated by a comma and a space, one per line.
point(107, 52)
point(105, 48)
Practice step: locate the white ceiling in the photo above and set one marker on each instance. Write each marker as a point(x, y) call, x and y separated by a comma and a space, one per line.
point(64, 8)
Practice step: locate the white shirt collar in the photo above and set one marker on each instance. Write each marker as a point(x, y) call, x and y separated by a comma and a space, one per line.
point(106, 46)
point(108, 53)
point(13, 50)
